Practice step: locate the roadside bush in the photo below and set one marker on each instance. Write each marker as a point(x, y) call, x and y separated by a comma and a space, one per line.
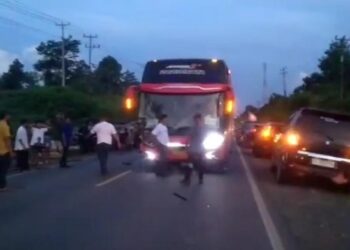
point(44, 103)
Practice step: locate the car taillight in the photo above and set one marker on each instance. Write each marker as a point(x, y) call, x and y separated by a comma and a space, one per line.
point(292, 139)
point(266, 132)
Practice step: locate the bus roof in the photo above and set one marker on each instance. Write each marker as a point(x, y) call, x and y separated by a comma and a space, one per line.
point(186, 71)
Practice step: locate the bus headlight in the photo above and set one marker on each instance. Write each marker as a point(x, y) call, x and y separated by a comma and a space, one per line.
point(213, 141)
point(150, 155)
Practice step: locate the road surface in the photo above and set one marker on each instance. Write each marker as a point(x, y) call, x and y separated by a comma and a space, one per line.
point(132, 209)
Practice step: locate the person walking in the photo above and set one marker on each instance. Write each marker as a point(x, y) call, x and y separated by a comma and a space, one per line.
point(105, 133)
point(22, 146)
point(57, 130)
point(67, 135)
point(37, 143)
point(196, 150)
point(5, 150)
point(160, 132)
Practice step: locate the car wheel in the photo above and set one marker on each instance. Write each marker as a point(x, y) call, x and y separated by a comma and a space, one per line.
point(281, 173)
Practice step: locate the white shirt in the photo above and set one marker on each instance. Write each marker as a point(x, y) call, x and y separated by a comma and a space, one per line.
point(161, 133)
point(21, 135)
point(38, 136)
point(104, 132)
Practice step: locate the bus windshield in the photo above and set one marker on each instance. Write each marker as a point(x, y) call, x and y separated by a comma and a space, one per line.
point(180, 110)
point(186, 71)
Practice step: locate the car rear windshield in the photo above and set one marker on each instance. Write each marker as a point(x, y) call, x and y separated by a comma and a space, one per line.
point(333, 126)
point(186, 71)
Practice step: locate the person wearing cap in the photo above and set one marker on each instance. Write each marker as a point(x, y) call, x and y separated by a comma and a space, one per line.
point(196, 150)
point(160, 132)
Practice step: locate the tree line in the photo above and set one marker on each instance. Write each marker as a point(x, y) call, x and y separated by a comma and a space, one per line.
point(328, 88)
point(107, 78)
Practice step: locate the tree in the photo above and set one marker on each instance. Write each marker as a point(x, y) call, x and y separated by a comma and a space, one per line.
point(330, 63)
point(108, 75)
point(50, 63)
point(82, 78)
point(15, 77)
point(128, 78)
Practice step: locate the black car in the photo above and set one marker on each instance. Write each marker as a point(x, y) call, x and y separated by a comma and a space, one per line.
point(245, 136)
point(264, 138)
point(314, 142)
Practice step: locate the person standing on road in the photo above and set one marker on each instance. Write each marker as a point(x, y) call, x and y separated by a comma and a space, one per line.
point(5, 150)
point(196, 150)
point(160, 132)
point(105, 133)
point(22, 146)
point(67, 135)
point(57, 129)
point(37, 143)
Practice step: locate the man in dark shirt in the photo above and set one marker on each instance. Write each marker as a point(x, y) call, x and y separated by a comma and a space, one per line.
point(196, 150)
point(67, 135)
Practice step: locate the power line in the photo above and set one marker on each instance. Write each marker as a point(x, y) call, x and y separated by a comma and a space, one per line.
point(13, 22)
point(63, 63)
point(91, 46)
point(28, 11)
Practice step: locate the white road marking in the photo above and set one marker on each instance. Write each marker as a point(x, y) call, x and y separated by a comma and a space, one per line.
point(275, 239)
point(114, 178)
point(18, 174)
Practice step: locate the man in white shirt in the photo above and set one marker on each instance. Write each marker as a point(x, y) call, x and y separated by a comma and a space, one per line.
point(105, 133)
point(160, 132)
point(37, 143)
point(22, 146)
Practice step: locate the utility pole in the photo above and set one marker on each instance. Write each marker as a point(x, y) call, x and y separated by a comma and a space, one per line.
point(342, 77)
point(63, 26)
point(284, 75)
point(91, 46)
point(264, 94)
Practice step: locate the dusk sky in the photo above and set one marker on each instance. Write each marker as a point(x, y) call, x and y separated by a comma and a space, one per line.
point(245, 34)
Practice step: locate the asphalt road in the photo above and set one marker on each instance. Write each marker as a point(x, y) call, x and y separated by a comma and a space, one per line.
point(133, 209)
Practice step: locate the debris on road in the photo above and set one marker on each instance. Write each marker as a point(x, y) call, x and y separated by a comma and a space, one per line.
point(180, 196)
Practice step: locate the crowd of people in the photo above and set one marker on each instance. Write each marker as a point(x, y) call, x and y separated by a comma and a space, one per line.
point(32, 143)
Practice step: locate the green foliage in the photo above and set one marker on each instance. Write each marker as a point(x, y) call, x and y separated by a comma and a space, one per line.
point(43, 103)
point(15, 77)
point(50, 63)
point(320, 89)
point(108, 75)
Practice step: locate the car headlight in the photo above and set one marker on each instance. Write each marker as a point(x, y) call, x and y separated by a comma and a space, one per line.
point(213, 141)
point(150, 155)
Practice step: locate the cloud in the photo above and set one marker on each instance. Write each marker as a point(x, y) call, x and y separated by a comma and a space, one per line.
point(29, 56)
point(6, 59)
point(297, 80)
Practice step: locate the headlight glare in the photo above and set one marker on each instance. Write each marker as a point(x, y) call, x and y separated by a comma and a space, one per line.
point(213, 141)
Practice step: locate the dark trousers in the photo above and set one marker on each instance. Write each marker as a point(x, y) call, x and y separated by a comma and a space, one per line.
point(160, 167)
point(5, 161)
point(22, 159)
point(198, 165)
point(63, 161)
point(102, 150)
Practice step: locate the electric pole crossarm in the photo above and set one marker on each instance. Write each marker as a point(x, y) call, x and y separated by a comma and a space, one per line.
point(90, 46)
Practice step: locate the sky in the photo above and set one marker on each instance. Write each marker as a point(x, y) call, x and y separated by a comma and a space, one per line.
point(246, 33)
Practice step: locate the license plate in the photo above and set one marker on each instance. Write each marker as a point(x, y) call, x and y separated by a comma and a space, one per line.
point(323, 163)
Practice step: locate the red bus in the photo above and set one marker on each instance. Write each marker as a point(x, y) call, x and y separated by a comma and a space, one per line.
point(181, 88)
